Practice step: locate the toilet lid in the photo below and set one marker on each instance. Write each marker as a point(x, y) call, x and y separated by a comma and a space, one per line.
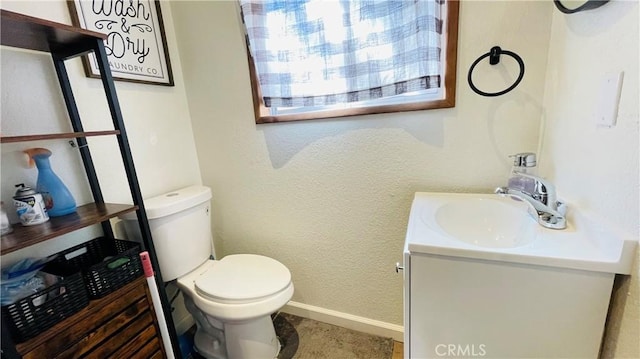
point(243, 277)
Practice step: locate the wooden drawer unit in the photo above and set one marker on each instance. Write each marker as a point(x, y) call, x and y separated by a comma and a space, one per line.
point(121, 325)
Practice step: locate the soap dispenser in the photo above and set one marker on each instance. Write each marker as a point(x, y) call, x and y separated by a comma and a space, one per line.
point(57, 198)
point(523, 163)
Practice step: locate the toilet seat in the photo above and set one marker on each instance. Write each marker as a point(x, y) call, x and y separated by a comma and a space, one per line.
point(234, 310)
point(242, 278)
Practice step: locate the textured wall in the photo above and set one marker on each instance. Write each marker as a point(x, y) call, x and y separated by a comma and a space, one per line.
point(598, 168)
point(156, 118)
point(330, 199)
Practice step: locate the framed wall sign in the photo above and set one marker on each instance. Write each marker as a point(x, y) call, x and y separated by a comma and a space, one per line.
point(136, 45)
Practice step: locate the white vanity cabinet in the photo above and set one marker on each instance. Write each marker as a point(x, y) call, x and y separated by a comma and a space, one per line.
point(543, 299)
point(459, 307)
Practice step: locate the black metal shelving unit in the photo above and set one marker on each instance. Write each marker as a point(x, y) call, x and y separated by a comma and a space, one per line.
point(65, 42)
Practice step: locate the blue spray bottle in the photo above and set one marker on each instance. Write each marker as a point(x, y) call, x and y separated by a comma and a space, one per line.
point(57, 198)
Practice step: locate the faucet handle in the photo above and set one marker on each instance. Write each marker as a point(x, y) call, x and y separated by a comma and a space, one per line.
point(524, 159)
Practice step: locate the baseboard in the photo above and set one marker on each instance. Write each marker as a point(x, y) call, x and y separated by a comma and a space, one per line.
point(345, 320)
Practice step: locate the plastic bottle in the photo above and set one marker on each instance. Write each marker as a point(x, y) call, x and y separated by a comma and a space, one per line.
point(57, 198)
point(523, 163)
point(30, 206)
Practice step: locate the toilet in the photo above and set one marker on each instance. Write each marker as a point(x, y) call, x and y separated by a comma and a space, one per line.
point(231, 299)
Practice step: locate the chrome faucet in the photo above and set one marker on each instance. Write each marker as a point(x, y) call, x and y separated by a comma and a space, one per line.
point(539, 194)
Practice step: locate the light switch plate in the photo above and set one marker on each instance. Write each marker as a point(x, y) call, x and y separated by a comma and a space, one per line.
point(608, 99)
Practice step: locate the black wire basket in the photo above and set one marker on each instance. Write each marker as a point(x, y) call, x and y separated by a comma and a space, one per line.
point(32, 315)
point(106, 263)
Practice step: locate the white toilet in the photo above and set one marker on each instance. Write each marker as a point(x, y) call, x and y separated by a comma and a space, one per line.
point(230, 299)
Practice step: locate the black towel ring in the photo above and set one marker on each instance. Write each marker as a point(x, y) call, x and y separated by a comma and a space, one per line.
point(494, 58)
point(588, 5)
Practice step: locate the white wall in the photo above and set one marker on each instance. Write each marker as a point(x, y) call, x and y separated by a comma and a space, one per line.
point(330, 199)
point(156, 118)
point(596, 168)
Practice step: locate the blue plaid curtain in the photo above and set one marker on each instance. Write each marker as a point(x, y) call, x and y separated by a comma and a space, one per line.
point(324, 52)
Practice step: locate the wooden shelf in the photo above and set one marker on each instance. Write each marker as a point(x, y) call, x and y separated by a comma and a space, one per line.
point(55, 136)
point(27, 32)
point(85, 216)
point(122, 324)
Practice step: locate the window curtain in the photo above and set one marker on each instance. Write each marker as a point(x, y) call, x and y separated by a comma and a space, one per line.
point(325, 52)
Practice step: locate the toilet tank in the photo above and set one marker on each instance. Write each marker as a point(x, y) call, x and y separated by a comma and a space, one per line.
point(180, 227)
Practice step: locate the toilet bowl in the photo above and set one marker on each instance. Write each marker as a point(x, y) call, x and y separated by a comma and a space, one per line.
point(237, 295)
point(231, 299)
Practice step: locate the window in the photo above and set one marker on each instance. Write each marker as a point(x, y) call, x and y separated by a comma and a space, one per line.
point(313, 59)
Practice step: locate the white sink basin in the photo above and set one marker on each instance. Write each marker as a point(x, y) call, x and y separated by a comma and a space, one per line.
point(487, 222)
point(491, 227)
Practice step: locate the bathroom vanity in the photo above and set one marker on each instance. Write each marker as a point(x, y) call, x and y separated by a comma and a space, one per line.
point(483, 279)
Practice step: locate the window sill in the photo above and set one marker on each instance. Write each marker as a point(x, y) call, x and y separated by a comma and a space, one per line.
point(265, 117)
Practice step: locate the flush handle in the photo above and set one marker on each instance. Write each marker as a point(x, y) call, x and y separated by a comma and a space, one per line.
point(399, 267)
